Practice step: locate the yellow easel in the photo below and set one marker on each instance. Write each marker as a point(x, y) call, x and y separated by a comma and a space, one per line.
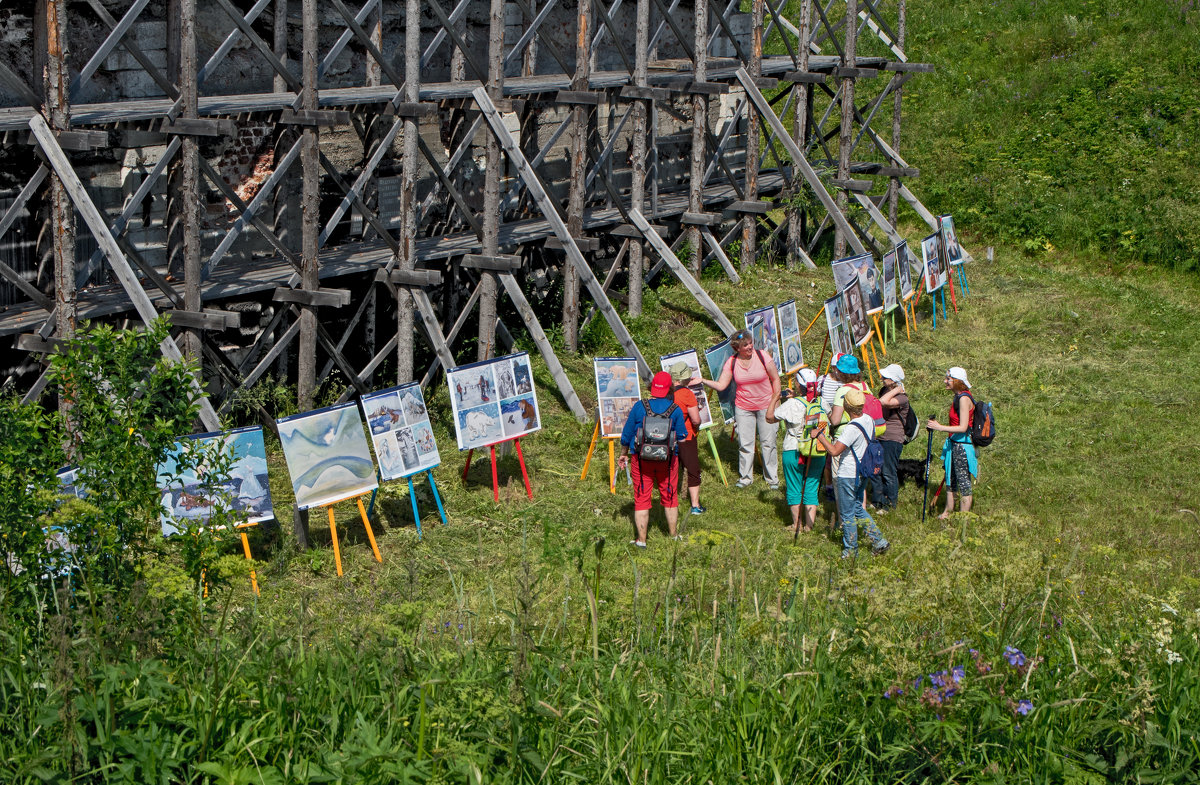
point(362, 511)
point(612, 457)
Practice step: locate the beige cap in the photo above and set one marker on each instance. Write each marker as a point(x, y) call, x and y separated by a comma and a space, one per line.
point(854, 397)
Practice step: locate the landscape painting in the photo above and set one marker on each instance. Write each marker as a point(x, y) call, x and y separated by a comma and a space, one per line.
point(400, 431)
point(245, 492)
point(327, 455)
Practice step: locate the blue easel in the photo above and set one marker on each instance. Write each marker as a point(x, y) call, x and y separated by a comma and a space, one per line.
point(933, 298)
point(962, 279)
point(412, 497)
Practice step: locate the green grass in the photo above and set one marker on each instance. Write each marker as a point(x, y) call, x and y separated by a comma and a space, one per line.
point(468, 655)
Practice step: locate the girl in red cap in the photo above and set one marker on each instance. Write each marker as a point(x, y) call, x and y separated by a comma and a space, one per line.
point(648, 473)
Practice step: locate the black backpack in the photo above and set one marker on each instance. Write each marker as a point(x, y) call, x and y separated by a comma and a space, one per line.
point(656, 439)
point(983, 425)
point(911, 425)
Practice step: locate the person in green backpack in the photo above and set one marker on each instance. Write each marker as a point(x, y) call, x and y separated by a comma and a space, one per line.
point(803, 458)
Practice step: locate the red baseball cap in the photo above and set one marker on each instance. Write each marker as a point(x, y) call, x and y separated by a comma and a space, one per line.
point(660, 385)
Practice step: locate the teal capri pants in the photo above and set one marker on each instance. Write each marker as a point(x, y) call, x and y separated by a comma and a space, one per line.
point(793, 475)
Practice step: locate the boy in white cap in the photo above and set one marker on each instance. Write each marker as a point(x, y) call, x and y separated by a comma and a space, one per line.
point(803, 458)
point(958, 453)
point(894, 401)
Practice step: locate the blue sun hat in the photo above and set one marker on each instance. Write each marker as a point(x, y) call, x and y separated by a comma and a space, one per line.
point(848, 363)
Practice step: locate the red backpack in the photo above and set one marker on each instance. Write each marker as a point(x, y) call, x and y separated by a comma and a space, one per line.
point(871, 407)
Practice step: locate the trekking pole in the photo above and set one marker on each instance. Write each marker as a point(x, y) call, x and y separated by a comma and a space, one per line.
point(803, 488)
point(928, 457)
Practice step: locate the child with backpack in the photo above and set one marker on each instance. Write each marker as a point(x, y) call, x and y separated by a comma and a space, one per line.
point(958, 451)
point(803, 458)
point(651, 435)
point(861, 459)
point(894, 401)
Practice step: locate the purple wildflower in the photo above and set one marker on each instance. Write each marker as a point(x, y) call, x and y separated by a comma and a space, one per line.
point(1014, 656)
point(1024, 706)
point(957, 673)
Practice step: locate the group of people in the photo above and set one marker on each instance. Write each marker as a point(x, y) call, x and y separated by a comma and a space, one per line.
point(829, 425)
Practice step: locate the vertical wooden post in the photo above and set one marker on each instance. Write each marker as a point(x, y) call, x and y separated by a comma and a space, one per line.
point(577, 191)
point(699, 125)
point(406, 251)
point(189, 177)
point(637, 187)
point(894, 183)
point(279, 42)
point(306, 365)
point(846, 127)
point(52, 23)
point(285, 207)
point(529, 57)
point(373, 77)
point(800, 134)
point(489, 284)
point(750, 222)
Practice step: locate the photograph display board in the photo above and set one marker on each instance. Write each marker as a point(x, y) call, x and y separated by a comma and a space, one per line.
point(789, 337)
point(904, 265)
point(493, 401)
point(889, 281)
point(673, 362)
point(400, 431)
point(617, 389)
point(245, 491)
point(871, 281)
point(839, 333)
point(856, 314)
point(847, 269)
point(931, 263)
point(769, 340)
point(951, 250)
point(327, 455)
point(716, 357)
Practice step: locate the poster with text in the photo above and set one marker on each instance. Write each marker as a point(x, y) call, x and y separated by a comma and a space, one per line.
point(769, 341)
point(904, 270)
point(673, 363)
point(493, 401)
point(789, 337)
point(618, 388)
point(716, 357)
point(952, 252)
point(400, 431)
point(931, 263)
point(327, 455)
point(856, 314)
point(889, 281)
point(835, 322)
point(245, 491)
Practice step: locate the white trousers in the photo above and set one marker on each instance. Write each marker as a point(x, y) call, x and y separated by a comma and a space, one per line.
point(748, 425)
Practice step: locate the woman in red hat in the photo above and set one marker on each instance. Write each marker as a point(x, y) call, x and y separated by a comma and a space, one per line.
point(661, 470)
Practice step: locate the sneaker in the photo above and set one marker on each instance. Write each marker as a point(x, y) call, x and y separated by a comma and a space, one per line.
point(744, 483)
point(638, 544)
point(879, 550)
point(773, 486)
point(699, 510)
point(848, 554)
point(677, 538)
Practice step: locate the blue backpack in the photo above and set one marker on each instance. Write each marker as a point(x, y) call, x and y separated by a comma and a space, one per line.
point(871, 464)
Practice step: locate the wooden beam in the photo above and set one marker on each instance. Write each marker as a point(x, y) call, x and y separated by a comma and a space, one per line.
point(586, 244)
point(410, 277)
point(334, 298)
point(634, 93)
point(77, 141)
point(498, 262)
point(411, 109)
point(845, 72)
point(204, 320)
point(580, 97)
point(543, 345)
point(199, 126)
point(706, 88)
point(861, 186)
point(631, 231)
point(755, 207)
point(323, 118)
point(804, 77)
point(700, 219)
point(36, 343)
point(914, 68)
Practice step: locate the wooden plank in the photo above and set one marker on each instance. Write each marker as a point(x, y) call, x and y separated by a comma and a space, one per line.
point(631, 231)
point(333, 298)
point(873, 210)
point(410, 277)
point(579, 97)
point(700, 219)
point(543, 345)
point(546, 204)
point(634, 93)
point(120, 265)
point(35, 343)
point(586, 244)
point(845, 72)
point(204, 320)
point(719, 253)
point(498, 262)
point(706, 88)
point(755, 207)
point(413, 109)
point(766, 82)
point(804, 77)
point(31, 291)
point(799, 159)
point(689, 283)
point(77, 141)
point(861, 186)
point(914, 68)
point(432, 329)
point(323, 118)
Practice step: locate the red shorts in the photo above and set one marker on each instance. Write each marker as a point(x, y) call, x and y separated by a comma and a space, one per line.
point(663, 474)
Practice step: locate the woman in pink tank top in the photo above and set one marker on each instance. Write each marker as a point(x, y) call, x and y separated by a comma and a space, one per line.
point(757, 380)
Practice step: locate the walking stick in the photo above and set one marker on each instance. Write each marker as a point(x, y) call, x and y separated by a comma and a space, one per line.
point(928, 457)
point(803, 488)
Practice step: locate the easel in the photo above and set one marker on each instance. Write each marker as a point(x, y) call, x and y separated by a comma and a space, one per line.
point(933, 298)
point(962, 278)
point(412, 496)
point(362, 511)
point(868, 353)
point(905, 306)
point(612, 457)
point(950, 283)
point(495, 477)
point(879, 334)
point(249, 558)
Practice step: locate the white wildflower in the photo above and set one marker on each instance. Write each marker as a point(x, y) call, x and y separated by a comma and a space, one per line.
point(1168, 609)
point(1173, 657)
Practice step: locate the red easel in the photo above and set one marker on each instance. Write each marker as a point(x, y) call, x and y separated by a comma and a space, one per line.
point(495, 479)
